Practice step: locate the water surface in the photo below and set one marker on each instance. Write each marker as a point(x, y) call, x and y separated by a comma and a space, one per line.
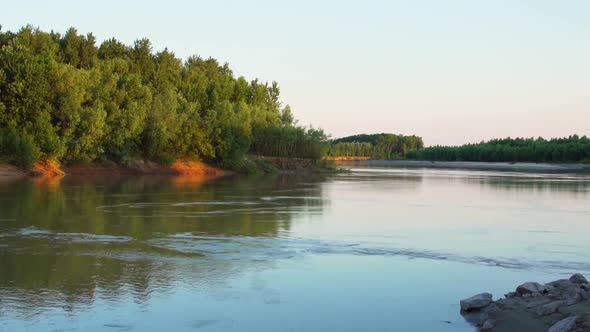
point(376, 249)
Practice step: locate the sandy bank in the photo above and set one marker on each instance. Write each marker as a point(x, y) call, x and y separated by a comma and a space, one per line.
point(525, 167)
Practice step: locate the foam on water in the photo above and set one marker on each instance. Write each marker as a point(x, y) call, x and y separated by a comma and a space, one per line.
point(246, 247)
point(59, 236)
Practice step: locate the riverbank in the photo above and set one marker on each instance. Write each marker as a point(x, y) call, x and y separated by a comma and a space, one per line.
point(10, 172)
point(472, 165)
point(52, 169)
point(347, 158)
point(181, 167)
point(558, 306)
point(142, 167)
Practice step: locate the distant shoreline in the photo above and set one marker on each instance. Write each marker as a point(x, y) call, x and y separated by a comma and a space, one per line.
point(473, 165)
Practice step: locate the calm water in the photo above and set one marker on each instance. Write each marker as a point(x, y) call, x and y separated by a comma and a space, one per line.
point(372, 250)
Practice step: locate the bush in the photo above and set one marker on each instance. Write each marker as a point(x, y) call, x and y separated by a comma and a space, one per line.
point(17, 149)
point(289, 142)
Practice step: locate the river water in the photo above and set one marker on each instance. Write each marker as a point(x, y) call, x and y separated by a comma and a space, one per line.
point(376, 249)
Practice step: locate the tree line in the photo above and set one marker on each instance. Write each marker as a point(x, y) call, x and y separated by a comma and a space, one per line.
point(376, 146)
point(567, 149)
point(64, 97)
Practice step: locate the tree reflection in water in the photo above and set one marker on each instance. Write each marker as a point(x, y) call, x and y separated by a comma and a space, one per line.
point(67, 243)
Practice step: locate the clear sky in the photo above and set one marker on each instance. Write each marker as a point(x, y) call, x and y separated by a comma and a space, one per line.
point(451, 71)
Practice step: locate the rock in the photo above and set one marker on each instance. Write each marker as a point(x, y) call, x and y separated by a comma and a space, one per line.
point(573, 296)
point(530, 288)
point(564, 325)
point(510, 295)
point(476, 302)
point(560, 283)
point(491, 310)
point(585, 295)
point(537, 303)
point(578, 279)
point(488, 324)
point(479, 317)
point(549, 308)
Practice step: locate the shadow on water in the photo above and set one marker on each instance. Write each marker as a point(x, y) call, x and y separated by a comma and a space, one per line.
point(70, 242)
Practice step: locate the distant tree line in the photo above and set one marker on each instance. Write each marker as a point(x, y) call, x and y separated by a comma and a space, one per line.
point(376, 146)
point(65, 97)
point(569, 149)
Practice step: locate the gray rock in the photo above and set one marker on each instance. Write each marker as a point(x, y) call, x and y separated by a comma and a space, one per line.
point(560, 283)
point(488, 324)
point(510, 295)
point(573, 296)
point(549, 308)
point(479, 317)
point(578, 279)
point(564, 325)
point(530, 288)
point(491, 310)
point(537, 303)
point(476, 302)
point(585, 295)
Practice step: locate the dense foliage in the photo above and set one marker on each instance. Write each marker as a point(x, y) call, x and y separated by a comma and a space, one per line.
point(64, 97)
point(378, 146)
point(18, 149)
point(570, 149)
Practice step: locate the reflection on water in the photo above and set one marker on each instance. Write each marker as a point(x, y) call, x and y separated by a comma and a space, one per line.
point(116, 253)
point(62, 242)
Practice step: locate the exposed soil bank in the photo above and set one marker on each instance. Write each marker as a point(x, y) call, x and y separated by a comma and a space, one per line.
point(181, 167)
point(52, 169)
point(526, 167)
point(141, 167)
point(9, 172)
point(558, 306)
point(49, 168)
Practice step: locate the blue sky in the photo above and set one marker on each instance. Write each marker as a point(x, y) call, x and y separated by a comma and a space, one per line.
point(451, 71)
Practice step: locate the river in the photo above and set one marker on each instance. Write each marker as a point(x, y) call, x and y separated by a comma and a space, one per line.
point(374, 249)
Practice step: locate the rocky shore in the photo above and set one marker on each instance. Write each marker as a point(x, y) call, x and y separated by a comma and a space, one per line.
point(558, 306)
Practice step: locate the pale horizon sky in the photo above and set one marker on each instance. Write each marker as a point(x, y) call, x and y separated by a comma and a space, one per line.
point(453, 71)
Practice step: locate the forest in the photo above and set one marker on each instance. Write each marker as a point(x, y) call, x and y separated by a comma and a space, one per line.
point(64, 97)
point(375, 146)
point(556, 150)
